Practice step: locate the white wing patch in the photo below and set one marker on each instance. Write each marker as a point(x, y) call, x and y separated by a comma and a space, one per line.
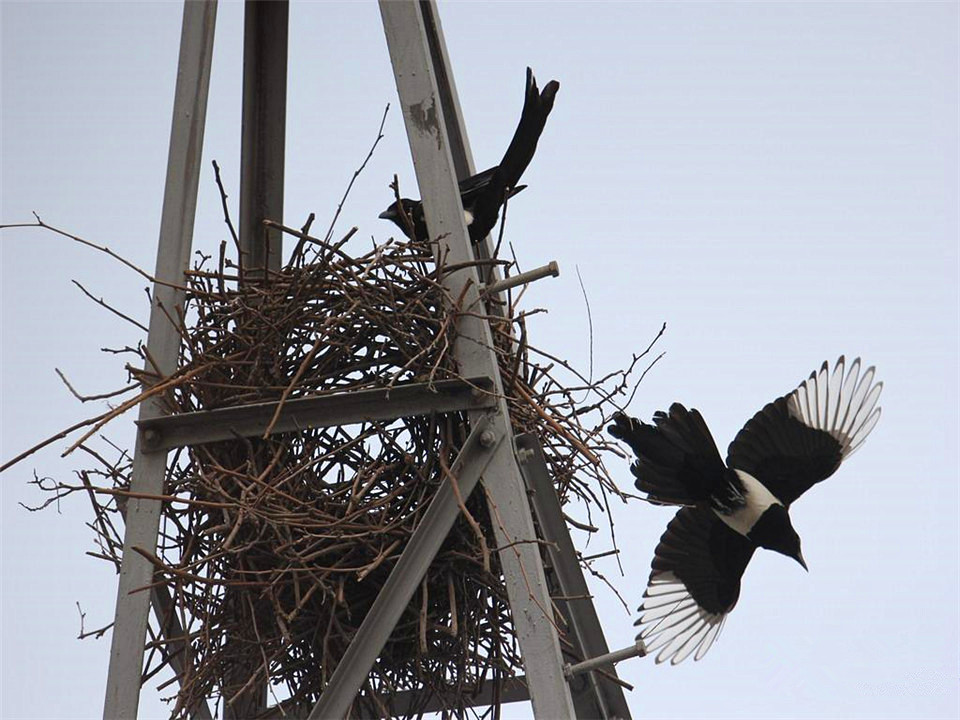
point(672, 622)
point(842, 403)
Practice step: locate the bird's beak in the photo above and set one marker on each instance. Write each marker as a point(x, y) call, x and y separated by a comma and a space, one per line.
point(387, 215)
point(799, 559)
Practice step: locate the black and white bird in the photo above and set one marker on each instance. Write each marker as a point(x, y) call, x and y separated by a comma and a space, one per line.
point(731, 509)
point(483, 194)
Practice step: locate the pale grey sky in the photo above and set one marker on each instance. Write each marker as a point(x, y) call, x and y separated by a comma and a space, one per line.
point(776, 181)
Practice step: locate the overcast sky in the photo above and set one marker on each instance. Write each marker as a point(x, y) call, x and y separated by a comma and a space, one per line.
point(777, 182)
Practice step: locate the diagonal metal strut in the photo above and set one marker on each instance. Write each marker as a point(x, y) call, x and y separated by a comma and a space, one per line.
point(163, 342)
point(418, 57)
point(482, 444)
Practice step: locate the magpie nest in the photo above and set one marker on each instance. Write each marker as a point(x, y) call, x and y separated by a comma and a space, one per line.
point(272, 550)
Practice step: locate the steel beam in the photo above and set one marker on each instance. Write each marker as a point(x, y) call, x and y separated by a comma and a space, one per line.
point(453, 120)
point(263, 132)
point(407, 703)
point(341, 408)
point(177, 649)
point(407, 40)
point(483, 443)
point(598, 697)
point(163, 342)
point(262, 156)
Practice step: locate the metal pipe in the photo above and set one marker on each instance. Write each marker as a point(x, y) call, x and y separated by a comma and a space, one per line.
point(639, 649)
point(549, 270)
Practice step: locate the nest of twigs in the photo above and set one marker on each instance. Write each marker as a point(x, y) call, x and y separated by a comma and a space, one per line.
point(272, 550)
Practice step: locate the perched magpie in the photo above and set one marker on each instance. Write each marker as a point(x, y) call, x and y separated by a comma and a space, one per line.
point(483, 194)
point(731, 509)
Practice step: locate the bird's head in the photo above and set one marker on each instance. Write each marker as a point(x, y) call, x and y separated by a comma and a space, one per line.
point(394, 214)
point(774, 531)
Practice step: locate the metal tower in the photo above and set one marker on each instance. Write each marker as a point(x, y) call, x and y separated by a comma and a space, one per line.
point(510, 468)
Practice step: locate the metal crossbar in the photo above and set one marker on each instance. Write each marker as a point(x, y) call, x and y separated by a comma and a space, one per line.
point(342, 408)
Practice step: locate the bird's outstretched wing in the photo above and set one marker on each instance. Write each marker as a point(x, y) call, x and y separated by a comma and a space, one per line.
point(677, 459)
point(800, 439)
point(694, 583)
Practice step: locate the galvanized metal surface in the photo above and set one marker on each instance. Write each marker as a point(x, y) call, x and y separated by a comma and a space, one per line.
point(595, 696)
point(173, 252)
point(410, 703)
point(463, 165)
point(512, 690)
point(178, 650)
point(263, 131)
point(638, 649)
point(262, 156)
point(341, 408)
point(170, 627)
point(513, 525)
point(481, 446)
point(549, 270)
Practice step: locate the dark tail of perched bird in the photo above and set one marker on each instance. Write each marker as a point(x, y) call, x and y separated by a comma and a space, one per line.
point(483, 194)
point(677, 458)
point(504, 179)
point(536, 107)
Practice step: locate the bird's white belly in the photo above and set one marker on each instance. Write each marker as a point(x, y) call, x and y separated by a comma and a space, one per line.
point(757, 498)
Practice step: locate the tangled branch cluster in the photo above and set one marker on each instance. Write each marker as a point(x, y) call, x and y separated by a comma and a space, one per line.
point(272, 550)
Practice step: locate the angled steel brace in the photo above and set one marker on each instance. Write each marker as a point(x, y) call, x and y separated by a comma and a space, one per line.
point(342, 408)
point(513, 690)
point(413, 46)
point(170, 627)
point(178, 650)
point(482, 444)
point(163, 341)
point(599, 697)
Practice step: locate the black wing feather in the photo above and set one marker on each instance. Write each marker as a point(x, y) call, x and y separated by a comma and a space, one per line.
point(784, 454)
point(694, 583)
point(677, 459)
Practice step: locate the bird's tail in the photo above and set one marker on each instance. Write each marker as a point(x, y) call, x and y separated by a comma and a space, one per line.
point(536, 107)
point(677, 459)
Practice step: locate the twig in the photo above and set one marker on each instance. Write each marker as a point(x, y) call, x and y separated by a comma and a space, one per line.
point(102, 303)
point(356, 174)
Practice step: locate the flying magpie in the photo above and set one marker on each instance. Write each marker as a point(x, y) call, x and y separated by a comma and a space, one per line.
point(730, 509)
point(483, 194)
